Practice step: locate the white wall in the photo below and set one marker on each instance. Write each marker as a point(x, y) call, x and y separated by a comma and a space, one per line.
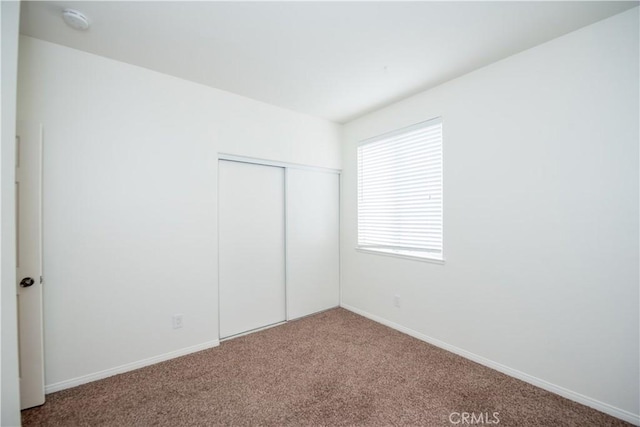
point(10, 393)
point(541, 217)
point(130, 215)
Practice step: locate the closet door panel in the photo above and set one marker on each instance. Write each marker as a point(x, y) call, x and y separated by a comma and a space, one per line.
point(251, 209)
point(313, 241)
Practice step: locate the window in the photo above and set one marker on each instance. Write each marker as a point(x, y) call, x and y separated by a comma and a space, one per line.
point(400, 192)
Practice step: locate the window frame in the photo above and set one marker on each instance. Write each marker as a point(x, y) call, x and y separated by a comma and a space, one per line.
point(423, 256)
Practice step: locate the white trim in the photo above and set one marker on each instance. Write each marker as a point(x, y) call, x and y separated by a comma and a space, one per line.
point(287, 294)
point(218, 240)
point(391, 134)
point(569, 394)
point(276, 163)
point(62, 385)
point(340, 235)
point(403, 256)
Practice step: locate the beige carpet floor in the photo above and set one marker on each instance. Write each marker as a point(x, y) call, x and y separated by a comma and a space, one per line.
point(334, 368)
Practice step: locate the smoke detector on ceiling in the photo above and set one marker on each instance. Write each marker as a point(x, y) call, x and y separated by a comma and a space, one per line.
point(75, 19)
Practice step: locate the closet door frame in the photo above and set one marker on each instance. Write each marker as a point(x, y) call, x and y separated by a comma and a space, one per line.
point(286, 166)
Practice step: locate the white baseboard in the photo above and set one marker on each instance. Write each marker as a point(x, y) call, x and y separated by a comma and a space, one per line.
point(569, 394)
point(50, 388)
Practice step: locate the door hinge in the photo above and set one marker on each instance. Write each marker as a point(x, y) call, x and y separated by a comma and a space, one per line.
point(41, 279)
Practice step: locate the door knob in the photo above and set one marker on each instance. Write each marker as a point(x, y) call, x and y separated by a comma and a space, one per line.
point(26, 282)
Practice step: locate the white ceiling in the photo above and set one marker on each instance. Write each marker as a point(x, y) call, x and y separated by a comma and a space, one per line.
point(336, 60)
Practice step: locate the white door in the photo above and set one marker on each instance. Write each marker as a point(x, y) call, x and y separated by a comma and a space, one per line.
point(29, 262)
point(251, 235)
point(313, 241)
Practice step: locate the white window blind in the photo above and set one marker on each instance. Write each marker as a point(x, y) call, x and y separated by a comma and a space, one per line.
point(400, 191)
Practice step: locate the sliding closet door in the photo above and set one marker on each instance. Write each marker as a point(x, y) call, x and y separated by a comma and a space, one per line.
point(313, 241)
point(251, 246)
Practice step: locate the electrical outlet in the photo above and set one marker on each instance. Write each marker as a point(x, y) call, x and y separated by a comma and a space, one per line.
point(177, 321)
point(396, 300)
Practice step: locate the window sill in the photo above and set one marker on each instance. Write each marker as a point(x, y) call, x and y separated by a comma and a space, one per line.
point(403, 256)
